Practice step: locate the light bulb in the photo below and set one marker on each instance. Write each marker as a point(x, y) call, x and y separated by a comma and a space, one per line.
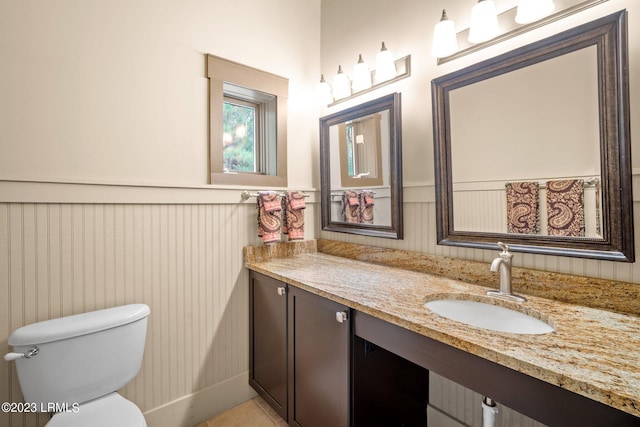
point(484, 22)
point(241, 131)
point(385, 65)
point(445, 41)
point(324, 91)
point(361, 76)
point(341, 84)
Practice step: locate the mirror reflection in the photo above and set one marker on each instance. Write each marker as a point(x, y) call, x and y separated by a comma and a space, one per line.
point(530, 164)
point(360, 190)
point(360, 161)
point(360, 149)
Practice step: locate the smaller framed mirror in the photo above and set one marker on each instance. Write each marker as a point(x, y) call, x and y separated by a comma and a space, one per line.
point(361, 169)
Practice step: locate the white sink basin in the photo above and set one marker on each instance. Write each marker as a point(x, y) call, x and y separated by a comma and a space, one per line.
point(488, 316)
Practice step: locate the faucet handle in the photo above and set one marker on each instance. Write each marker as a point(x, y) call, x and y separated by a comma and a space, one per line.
point(505, 254)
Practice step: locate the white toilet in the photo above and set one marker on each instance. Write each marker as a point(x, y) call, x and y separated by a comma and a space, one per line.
point(74, 365)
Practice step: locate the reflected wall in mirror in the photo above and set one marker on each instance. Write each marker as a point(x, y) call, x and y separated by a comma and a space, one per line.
point(532, 147)
point(360, 147)
point(361, 171)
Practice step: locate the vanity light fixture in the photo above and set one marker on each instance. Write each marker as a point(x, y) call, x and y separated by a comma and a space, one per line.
point(361, 76)
point(385, 65)
point(324, 91)
point(484, 22)
point(445, 41)
point(365, 79)
point(532, 10)
point(341, 84)
point(487, 28)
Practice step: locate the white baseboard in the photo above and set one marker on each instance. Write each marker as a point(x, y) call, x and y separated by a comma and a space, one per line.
point(192, 409)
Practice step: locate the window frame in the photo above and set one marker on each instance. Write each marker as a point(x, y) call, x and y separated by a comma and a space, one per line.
point(274, 161)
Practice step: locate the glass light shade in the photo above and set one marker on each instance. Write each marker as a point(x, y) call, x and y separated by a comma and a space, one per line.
point(445, 41)
point(385, 65)
point(341, 84)
point(241, 131)
point(484, 22)
point(532, 10)
point(361, 76)
point(324, 92)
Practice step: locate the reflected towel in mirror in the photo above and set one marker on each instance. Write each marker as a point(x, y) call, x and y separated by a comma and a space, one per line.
point(351, 206)
point(366, 206)
point(565, 207)
point(523, 207)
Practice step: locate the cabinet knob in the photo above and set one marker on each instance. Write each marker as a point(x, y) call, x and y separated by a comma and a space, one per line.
point(341, 316)
point(282, 290)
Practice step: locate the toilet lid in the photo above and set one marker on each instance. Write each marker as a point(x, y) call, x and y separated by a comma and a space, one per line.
point(109, 411)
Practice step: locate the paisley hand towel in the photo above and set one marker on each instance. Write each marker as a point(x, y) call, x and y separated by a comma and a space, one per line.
point(523, 207)
point(351, 206)
point(293, 206)
point(269, 213)
point(565, 207)
point(366, 206)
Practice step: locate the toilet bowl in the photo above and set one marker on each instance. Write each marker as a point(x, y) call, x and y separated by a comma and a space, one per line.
point(74, 365)
point(111, 410)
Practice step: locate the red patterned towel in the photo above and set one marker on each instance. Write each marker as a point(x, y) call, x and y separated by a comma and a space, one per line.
point(523, 207)
point(565, 207)
point(351, 206)
point(293, 206)
point(269, 212)
point(366, 206)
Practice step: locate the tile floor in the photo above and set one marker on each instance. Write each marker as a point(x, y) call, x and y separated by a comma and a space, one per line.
point(254, 413)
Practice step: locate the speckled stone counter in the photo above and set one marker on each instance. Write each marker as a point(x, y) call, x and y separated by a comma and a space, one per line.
point(592, 352)
point(612, 295)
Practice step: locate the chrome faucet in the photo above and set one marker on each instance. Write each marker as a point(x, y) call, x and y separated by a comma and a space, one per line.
point(503, 264)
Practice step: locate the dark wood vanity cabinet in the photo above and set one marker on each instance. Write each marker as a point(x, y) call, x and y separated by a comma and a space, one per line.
point(299, 353)
point(320, 364)
point(268, 340)
point(319, 361)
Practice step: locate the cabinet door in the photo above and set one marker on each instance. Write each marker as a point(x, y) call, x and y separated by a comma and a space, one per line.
point(319, 355)
point(268, 340)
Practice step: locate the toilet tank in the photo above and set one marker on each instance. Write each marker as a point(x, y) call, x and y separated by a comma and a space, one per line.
point(81, 357)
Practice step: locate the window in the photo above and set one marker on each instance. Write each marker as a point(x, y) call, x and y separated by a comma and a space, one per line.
point(248, 125)
point(240, 149)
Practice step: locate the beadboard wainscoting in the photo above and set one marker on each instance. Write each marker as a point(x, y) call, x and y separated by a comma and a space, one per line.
point(183, 260)
point(453, 405)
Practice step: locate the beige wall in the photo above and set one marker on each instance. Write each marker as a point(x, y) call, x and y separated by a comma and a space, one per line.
point(116, 91)
point(407, 29)
point(103, 171)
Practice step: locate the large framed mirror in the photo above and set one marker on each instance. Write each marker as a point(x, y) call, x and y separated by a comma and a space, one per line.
point(361, 169)
point(532, 148)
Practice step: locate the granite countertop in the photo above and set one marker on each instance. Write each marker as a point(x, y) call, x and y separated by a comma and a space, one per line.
point(592, 352)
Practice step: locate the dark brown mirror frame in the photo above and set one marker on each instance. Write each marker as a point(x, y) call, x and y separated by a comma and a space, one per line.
point(392, 103)
point(609, 34)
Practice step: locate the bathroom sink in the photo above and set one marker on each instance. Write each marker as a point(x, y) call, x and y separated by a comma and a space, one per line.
point(488, 316)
